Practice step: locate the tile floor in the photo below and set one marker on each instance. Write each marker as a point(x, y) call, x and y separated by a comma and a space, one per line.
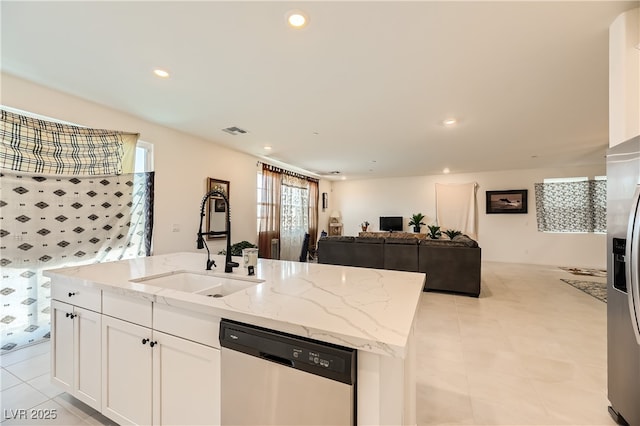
point(530, 351)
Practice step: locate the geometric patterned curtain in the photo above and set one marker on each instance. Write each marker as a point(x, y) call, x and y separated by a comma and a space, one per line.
point(64, 201)
point(54, 221)
point(572, 206)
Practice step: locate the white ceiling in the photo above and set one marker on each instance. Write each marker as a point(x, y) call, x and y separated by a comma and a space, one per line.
point(362, 89)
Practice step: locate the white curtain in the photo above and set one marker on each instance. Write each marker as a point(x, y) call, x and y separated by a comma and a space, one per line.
point(294, 218)
point(456, 207)
point(65, 200)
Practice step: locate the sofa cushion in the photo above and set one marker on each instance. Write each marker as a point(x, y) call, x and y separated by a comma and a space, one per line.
point(369, 240)
point(458, 241)
point(465, 240)
point(401, 254)
point(343, 238)
point(368, 253)
point(406, 241)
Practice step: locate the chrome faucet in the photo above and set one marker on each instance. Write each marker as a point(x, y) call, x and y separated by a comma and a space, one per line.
point(228, 264)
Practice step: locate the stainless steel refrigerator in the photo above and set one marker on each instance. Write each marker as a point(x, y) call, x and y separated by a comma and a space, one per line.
point(623, 290)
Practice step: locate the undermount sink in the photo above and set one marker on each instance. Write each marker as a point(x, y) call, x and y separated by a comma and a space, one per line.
point(193, 282)
point(226, 287)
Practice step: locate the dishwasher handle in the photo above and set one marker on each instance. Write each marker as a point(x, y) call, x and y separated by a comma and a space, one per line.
point(277, 359)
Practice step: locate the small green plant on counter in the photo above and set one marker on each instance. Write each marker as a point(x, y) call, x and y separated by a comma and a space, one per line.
point(451, 233)
point(434, 232)
point(416, 221)
point(236, 249)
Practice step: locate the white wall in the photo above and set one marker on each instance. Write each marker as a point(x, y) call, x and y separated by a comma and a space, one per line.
point(182, 165)
point(503, 237)
point(624, 77)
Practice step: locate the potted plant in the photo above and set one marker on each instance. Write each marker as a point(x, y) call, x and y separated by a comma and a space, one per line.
point(364, 226)
point(416, 221)
point(451, 233)
point(434, 232)
point(236, 249)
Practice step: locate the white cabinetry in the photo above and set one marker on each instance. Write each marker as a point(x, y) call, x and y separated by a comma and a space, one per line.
point(186, 382)
point(75, 351)
point(153, 377)
point(126, 372)
point(135, 361)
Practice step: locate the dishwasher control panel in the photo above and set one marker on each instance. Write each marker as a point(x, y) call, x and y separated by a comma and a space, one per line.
point(320, 358)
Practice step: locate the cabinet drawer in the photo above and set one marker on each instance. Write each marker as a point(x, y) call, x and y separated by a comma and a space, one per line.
point(128, 308)
point(190, 325)
point(85, 297)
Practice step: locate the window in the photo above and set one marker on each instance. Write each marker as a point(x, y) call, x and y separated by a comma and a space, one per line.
point(144, 157)
point(287, 210)
point(575, 205)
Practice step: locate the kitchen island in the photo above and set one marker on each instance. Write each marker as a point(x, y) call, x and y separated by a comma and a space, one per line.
point(119, 304)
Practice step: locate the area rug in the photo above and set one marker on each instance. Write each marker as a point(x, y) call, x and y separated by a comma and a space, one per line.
point(597, 290)
point(585, 271)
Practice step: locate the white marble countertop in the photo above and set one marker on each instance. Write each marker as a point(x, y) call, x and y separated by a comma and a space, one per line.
point(367, 309)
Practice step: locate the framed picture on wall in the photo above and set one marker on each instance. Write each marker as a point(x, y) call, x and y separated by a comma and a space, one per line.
point(507, 201)
point(219, 205)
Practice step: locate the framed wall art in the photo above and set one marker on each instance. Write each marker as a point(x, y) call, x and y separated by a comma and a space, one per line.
point(507, 201)
point(216, 209)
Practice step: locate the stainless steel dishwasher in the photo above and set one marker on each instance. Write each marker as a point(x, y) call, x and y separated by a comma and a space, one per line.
point(273, 378)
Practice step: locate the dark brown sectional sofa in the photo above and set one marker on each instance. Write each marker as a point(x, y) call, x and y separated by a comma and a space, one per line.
point(450, 265)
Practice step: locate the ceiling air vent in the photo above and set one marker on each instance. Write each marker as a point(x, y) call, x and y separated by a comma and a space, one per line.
point(234, 130)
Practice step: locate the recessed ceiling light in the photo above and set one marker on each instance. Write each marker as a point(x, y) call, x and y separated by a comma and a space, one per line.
point(449, 121)
point(161, 73)
point(297, 19)
point(446, 170)
point(267, 147)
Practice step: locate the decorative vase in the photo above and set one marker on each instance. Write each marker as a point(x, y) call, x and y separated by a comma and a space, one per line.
point(364, 229)
point(416, 229)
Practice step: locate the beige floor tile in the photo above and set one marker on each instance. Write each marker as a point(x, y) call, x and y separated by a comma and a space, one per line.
point(31, 368)
point(24, 353)
point(44, 385)
point(437, 406)
point(18, 398)
point(47, 413)
point(8, 380)
point(496, 387)
point(511, 412)
point(579, 406)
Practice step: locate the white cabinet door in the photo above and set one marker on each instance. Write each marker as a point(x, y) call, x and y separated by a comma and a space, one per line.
point(126, 372)
point(87, 377)
point(186, 382)
point(75, 354)
point(62, 346)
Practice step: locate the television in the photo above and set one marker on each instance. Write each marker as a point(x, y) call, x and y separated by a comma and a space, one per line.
point(391, 223)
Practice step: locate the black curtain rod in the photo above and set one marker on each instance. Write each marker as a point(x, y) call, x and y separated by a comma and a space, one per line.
point(286, 172)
